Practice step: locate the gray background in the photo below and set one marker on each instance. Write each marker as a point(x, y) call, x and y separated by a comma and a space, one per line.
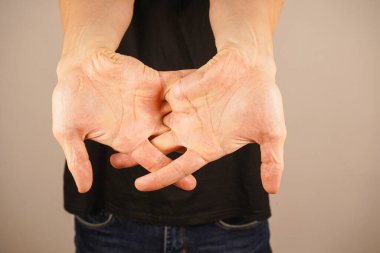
point(328, 55)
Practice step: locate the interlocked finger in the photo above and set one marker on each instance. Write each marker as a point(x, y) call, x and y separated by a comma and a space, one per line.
point(152, 159)
point(165, 108)
point(183, 166)
point(168, 120)
point(165, 142)
point(121, 161)
point(162, 129)
point(169, 78)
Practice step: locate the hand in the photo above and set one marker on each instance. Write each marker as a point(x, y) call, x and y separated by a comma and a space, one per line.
point(216, 110)
point(114, 100)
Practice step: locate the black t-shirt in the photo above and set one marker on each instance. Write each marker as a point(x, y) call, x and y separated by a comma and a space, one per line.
point(172, 35)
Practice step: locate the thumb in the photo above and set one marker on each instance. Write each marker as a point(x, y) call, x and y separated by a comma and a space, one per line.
point(169, 78)
point(78, 162)
point(272, 165)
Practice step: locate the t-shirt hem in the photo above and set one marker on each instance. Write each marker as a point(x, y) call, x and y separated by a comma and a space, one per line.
point(190, 219)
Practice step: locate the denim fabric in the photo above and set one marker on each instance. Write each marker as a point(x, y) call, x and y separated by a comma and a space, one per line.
point(104, 233)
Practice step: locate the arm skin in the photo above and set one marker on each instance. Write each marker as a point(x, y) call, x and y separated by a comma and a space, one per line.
point(229, 102)
point(248, 26)
point(104, 96)
point(90, 25)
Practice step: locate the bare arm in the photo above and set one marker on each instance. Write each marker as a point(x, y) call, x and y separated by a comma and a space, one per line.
point(246, 25)
point(92, 24)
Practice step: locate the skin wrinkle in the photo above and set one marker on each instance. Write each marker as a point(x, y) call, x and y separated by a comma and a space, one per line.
point(204, 160)
point(225, 106)
point(134, 100)
point(176, 139)
point(107, 55)
point(122, 113)
point(213, 130)
point(223, 110)
point(161, 161)
point(181, 171)
point(195, 110)
point(209, 109)
point(93, 80)
point(121, 120)
point(158, 180)
point(103, 96)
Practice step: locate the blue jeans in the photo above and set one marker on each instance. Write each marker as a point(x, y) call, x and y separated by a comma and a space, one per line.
point(105, 233)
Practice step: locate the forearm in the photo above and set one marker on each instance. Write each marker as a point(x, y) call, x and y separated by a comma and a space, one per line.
point(92, 24)
point(246, 25)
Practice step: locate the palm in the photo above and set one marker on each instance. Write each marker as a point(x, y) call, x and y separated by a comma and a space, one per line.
point(215, 111)
point(102, 100)
point(112, 99)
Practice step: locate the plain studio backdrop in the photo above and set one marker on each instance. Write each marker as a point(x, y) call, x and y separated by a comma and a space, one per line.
point(328, 57)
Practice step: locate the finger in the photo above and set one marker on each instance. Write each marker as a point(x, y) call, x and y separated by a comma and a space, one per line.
point(167, 120)
point(78, 162)
point(162, 129)
point(152, 159)
point(272, 165)
point(121, 161)
point(183, 166)
point(168, 78)
point(191, 87)
point(165, 108)
point(165, 142)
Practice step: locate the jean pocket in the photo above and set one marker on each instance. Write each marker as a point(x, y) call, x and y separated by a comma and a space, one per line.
point(99, 219)
point(237, 223)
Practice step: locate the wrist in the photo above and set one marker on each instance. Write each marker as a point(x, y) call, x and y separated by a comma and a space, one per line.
point(72, 59)
point(252, 57)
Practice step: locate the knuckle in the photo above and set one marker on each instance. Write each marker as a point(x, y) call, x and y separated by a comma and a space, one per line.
point(278, 167)
point(273, 167)
point(158, 179)
point(211, 152)
point(180, 170)
point(170, 97)
point(124, 144)
point(58, 132)
point(276, 134)
point(176, 93)
point(161, 160)
point(78, 161)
